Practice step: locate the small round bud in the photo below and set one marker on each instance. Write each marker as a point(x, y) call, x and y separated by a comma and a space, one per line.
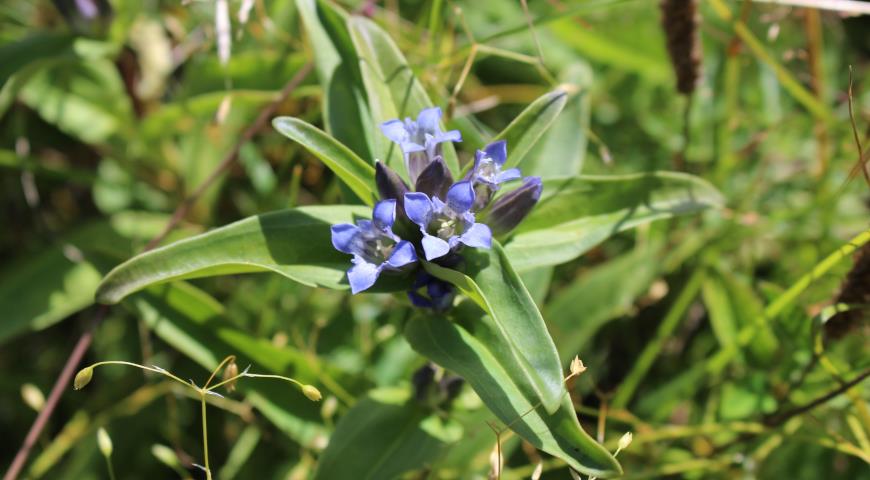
point(166, 456)
point(231, 371)
point(625, 441)
point(330, 405)
point(311, 392)
point(104, 442)
point(83, 378)
point(32, 396)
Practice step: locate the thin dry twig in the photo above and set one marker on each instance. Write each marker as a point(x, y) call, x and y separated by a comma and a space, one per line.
point(84, 341)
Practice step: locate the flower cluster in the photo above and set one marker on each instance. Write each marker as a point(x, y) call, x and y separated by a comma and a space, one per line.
point(445, 212)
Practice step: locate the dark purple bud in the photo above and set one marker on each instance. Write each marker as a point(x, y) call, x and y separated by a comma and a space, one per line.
point(422, 380)
point(390, 184)
point(435, 179)
point(451, 386)
point(508, 211)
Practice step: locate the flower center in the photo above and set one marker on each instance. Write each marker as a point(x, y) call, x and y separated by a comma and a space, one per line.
point(487, 170)
point(377, 248)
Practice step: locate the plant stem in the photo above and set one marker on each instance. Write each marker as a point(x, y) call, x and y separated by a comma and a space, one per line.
point(111, 468)
point(204, 434)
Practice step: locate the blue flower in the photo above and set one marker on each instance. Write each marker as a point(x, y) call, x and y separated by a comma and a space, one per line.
point(446, 225)
point(373, 245)
point(419, 139)
point(488, 165)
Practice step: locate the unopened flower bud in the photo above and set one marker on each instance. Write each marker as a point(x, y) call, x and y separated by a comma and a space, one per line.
point(451, 386)
point(166, 456)
point(104, 442)
point(329, 407)
point(509, 210)
point(231, 371)
point(577, 366)
point(390, 184)
point(311, 392)
point(83, 378)
point(435, 179)
point(422, 380)
point(625, 441)
point(32, 396)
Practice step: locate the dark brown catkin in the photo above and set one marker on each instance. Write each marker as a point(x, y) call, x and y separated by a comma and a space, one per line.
point(680, 20)
point(854, 291)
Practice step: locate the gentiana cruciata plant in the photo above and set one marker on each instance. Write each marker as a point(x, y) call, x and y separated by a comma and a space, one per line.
point(436, 218)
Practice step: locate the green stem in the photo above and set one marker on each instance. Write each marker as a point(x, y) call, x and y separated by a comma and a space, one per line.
point(204, 434)
point(143, 367)
point(649, 354)
point(111, 468)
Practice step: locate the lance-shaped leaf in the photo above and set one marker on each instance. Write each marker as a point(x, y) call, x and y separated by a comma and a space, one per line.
point(392, 89)
point(345, 115)
point(575, 214)
point(527, 128)
point(492, 283)
point(352, 170)
point(294, 243)
point(476, 351)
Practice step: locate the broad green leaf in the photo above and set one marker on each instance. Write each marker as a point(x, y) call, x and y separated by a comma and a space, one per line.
point(575, 313)
point(352, 170)
point(294, 243)
point(345, 113)
point(393, 90)
point(492, 283)
point(40, 290)
point(382, 436)
point(527, 128)
point(575, 214)
point(480, 355)
point(194, 323)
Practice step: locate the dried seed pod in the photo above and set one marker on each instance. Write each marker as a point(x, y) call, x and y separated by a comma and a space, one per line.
point(231, 372)
point(855, 291)
point(680, 20)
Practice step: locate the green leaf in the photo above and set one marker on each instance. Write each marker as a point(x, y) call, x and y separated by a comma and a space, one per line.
point(345, 114)
point(527, 128)
point(494, 286)
point(480, 355)
point(354, 171)
point(393, 90)
point(382, 436)
point(731, 306)
point(294, 243)
point(575, 214)
point(86, 100)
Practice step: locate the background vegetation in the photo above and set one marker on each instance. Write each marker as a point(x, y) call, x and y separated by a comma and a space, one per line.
point(715, 338)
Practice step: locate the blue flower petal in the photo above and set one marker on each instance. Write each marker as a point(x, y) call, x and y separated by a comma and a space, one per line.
point(362, 275)
point(508, 175)
point(402, 255)
point(460, 197)
point(428, 119)
point(418, 207)
point(497, 151)
point(478, 235)
point(384, 214)
point(395, 130)
point(434, 247)
point(451, 136)
point(343, 236)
